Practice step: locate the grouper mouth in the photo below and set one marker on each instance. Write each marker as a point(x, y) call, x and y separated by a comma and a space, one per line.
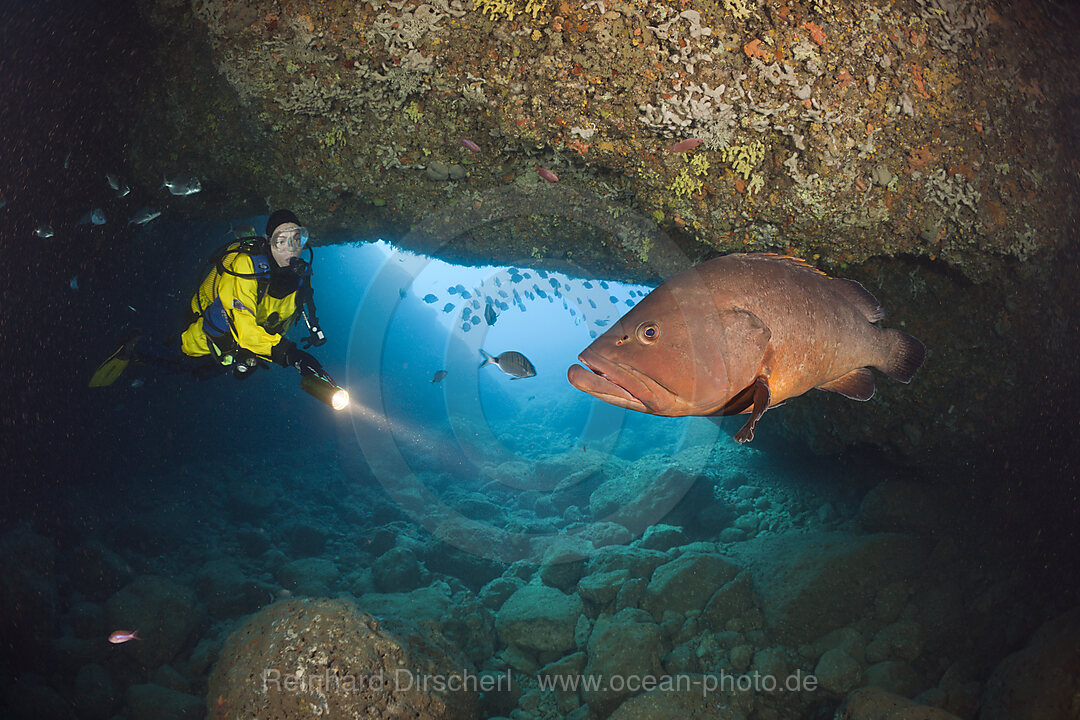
point(615, 383)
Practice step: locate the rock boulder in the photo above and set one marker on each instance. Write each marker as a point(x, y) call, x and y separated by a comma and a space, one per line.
point(294, 659)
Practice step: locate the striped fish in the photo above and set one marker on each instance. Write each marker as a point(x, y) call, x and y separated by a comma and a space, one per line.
point(510, 362)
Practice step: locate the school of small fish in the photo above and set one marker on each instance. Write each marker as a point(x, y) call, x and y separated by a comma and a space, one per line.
point(515, 289)
point(179, 186)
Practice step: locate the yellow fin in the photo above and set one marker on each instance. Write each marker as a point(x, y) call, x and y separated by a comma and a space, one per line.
point(112, 368)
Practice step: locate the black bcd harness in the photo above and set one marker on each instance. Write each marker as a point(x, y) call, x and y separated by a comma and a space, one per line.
point(270, 280)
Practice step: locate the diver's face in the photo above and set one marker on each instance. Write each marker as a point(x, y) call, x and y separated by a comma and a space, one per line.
point(286, 243)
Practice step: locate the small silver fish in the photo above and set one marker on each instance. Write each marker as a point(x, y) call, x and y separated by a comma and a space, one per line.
point(182, 186)
point(511, 362)
point(123, 191)
point(44, 230)
point(144, 216)
point(93, 217)
point(112, 180)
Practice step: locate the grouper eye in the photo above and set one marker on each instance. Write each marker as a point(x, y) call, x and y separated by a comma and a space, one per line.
point(648, 332)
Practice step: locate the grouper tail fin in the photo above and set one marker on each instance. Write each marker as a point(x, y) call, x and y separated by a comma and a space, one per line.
point(906, 357)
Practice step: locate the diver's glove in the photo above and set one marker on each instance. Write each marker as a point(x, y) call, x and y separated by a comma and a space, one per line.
point(285, 353)
point(316, 338)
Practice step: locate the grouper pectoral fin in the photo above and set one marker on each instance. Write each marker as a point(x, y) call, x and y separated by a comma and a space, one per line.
point(762, 395)
point(737, 405)
point(857, 384)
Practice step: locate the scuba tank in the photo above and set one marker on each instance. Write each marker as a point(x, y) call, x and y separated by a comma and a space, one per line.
point(271, 280)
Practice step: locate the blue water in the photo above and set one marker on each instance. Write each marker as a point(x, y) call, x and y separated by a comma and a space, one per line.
point(403, 341)
point(390, 338)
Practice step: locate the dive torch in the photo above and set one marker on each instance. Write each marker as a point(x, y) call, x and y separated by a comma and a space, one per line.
point(318, 384)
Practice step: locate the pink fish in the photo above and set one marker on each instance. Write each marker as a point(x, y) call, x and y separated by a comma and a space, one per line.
point(470, 144)
point(547, 174)
point(122, 636)
point(685, 145)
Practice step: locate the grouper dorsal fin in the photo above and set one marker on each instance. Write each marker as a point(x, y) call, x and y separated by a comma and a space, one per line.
point(791, 260)
point(850, 290)
point(858, 296)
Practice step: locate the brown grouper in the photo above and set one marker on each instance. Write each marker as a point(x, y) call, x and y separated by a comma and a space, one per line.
point(743, 333)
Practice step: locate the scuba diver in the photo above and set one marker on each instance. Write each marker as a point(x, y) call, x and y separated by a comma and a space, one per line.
point(254, 291)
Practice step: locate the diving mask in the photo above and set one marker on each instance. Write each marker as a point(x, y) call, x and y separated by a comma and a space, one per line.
point(289, 238)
